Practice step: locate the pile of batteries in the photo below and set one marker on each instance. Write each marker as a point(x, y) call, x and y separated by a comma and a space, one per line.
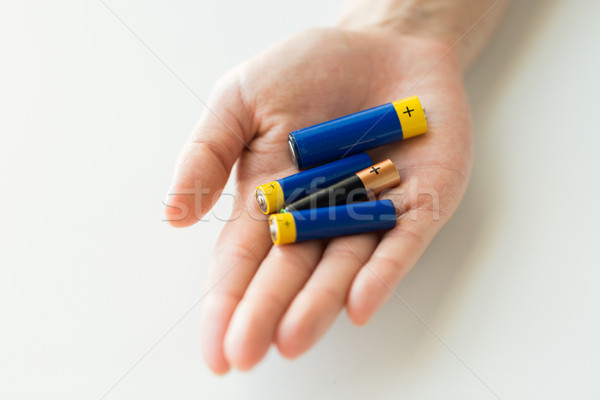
point(335, 198)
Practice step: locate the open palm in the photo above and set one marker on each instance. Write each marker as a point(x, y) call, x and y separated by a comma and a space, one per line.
point(289, 295)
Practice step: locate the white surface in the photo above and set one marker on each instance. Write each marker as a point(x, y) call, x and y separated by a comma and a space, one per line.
point(91, 278)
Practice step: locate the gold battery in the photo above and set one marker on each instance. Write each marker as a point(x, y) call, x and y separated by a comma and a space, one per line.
point(379, 177)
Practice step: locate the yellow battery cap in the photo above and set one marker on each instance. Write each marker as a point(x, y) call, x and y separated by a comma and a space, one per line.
point(283, 228)
point(412, 116)
point(270, 197)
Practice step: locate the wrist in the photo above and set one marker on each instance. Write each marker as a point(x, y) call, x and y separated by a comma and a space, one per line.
point(465, 26)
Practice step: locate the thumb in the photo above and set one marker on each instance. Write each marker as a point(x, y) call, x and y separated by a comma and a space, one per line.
point(205, 162)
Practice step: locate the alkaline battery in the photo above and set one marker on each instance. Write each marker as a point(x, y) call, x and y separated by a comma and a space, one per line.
point(338, 138)
point(363, 185)
point(272, 197)
point(318, 223)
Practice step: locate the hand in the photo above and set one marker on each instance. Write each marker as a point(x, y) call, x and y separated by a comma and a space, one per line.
point(290, 295)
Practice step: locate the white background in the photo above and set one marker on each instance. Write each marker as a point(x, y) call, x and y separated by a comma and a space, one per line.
point(91, 277)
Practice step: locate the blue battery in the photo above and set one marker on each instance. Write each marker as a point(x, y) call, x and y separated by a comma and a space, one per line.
point(357, 132)
point(273, 196)
point(319, 223)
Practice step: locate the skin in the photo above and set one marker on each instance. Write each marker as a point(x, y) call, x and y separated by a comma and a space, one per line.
point(260, 294)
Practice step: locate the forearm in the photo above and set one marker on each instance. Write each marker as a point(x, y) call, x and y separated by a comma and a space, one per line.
point(464, 25)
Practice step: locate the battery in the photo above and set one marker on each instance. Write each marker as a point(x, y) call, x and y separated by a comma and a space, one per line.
point(318, 223)
point(272, 197)
point(361, 186)
point(338, 138)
